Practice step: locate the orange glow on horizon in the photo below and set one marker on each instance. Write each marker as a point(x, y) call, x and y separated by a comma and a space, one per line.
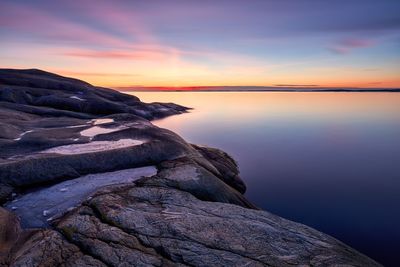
point(125, 82)
point(164, 81)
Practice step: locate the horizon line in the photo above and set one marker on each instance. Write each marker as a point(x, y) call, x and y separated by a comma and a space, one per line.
point(252, 89)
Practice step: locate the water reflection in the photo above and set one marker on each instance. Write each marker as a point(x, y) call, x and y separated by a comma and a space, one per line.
point(328, 160)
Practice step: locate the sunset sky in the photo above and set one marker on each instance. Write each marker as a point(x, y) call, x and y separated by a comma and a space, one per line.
point(206, 43)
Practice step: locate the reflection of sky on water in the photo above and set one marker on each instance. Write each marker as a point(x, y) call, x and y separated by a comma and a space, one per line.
point(329, 160)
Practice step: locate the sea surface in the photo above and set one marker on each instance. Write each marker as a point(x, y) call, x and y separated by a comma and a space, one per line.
point(328, 160)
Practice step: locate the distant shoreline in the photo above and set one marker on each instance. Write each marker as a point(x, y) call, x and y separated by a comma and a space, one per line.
point(250, 88)
point(277, 90)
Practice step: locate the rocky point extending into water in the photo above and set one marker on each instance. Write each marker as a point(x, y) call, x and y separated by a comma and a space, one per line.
point(87, 180)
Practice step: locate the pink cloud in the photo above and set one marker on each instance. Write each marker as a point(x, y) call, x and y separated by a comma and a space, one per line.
point(117, 54)
point(149, 52)
point(93, 74)
point(84, 40)
point(125, 21)
point(347, 45)
point(32, 22)
point(354, 43)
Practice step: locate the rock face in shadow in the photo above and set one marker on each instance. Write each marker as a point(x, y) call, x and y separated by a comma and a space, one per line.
point(187, 175)
point(226, 166)
point(43, 93)
point(191, 212)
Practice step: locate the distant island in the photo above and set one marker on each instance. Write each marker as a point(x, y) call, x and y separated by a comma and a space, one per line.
point(277, 88)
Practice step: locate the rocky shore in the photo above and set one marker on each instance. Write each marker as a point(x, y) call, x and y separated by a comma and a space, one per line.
point(87, 180)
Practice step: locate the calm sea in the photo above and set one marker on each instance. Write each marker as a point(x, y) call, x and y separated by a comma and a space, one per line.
point(328, 160)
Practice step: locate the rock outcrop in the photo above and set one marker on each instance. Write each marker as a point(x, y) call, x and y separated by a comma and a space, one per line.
point(57, 133)
point(38, 112)
point(43, 93)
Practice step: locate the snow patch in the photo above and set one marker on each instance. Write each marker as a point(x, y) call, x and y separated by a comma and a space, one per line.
point(95, 130)
point(24, 133)
point(94, 146)
point(101, 121)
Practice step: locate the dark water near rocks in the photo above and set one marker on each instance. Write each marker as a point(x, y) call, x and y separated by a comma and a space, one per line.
point(328, 160)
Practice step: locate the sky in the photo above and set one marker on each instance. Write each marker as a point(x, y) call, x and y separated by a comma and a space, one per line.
point(341, 43)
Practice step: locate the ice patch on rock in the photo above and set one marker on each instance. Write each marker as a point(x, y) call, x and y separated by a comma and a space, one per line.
point(94, 146)
point(76, 126)
point(36, 209)
point(77, 98)
point(93, 122)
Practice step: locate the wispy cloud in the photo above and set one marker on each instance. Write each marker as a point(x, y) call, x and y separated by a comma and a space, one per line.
point(117, 54)
point(30, 23)
point(345, 46)
point(371, 69)
point(296, 85)
point(94, 74)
